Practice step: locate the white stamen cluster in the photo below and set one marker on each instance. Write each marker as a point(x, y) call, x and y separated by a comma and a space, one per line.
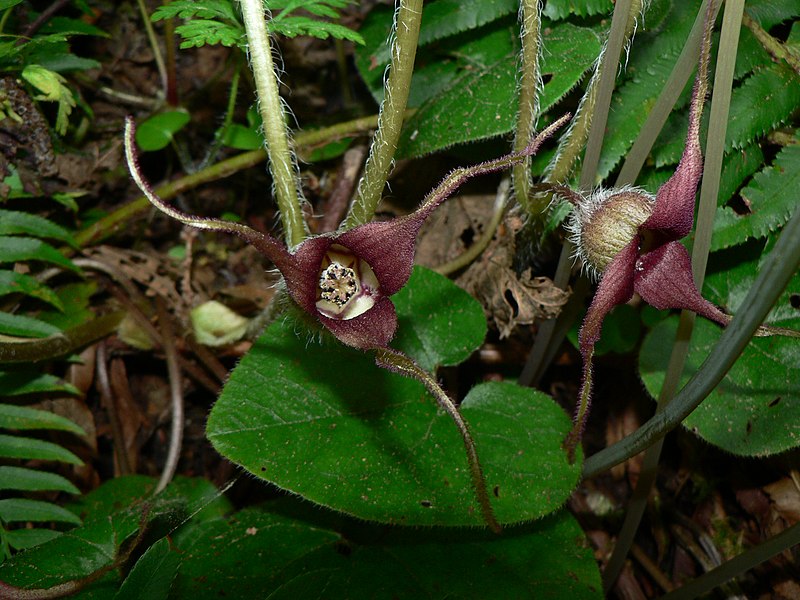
point(338, 284)
point(347, 286)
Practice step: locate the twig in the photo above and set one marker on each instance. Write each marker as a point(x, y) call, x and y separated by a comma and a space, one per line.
point(151, 36)
point(107, 399)
point(777, 49)
point(44, 17)
point(352, 161)
point(176, 395)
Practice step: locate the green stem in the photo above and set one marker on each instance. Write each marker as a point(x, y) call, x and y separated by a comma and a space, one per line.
point(712, 169)
point(122, 217)
point(390, 120)
point(776, 271)
point(623, 25)
point(530, 14)
point(777, 49)
point(282, 167)
point(400, 363)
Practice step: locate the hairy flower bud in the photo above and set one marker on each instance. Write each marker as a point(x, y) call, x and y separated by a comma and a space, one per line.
point(605, 222)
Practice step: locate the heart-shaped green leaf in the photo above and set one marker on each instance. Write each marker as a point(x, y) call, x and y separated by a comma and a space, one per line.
point(755, 410)
point(293, 557)
point(326, 423)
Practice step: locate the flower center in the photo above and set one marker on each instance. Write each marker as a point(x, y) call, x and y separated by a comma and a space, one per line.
point(347, 287)
point(338, 284)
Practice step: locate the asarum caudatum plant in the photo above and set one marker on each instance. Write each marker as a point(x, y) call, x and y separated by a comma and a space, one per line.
point(344, 280)
point(630, 241)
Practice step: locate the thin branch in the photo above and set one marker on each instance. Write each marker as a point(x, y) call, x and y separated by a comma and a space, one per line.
point(176, 395)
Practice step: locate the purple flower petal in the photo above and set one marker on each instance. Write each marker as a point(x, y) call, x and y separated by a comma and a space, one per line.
point(372, 329)
point(616, 287)
point(664, 280)
point(388, 247)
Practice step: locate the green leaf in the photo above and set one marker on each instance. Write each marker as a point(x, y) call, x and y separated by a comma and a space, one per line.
point(205, 9)
point(652, 58)
point(152, 576)
point(22, 510)
point(12, 446)
point(22, 539)
point(296, 556)
point(439, 323)
point(21, 249)
point(12, 282)
point(440, 19)
point(242, 137)
point(22, 381)
point(54, 89)
point(774, 91)
point(327, 424)
point(77, 306)
point(84, 550)
point(6, 4)
point(737, 167)
point(481, 103)
point(771, 198)
point(294, 26)
point(14, 222)
point(201, 32)
point(67, 26)
point(755, 410)
point(559, 9)
point(157, 132)
point(22, 326)
point(31, 480)
point(25, 418)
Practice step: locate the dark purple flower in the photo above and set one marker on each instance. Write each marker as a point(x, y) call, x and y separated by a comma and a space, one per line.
point(344, 280)
point(630, 241)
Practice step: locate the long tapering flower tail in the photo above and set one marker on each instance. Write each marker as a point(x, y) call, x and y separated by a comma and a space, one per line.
point(398, 362)
point(673, 213)
point(615, 288)
point(266, 244)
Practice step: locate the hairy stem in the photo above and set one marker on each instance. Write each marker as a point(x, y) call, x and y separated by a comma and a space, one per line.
point(282, 167)
point(390, 120)
point(530, 16)
point(400, 363)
